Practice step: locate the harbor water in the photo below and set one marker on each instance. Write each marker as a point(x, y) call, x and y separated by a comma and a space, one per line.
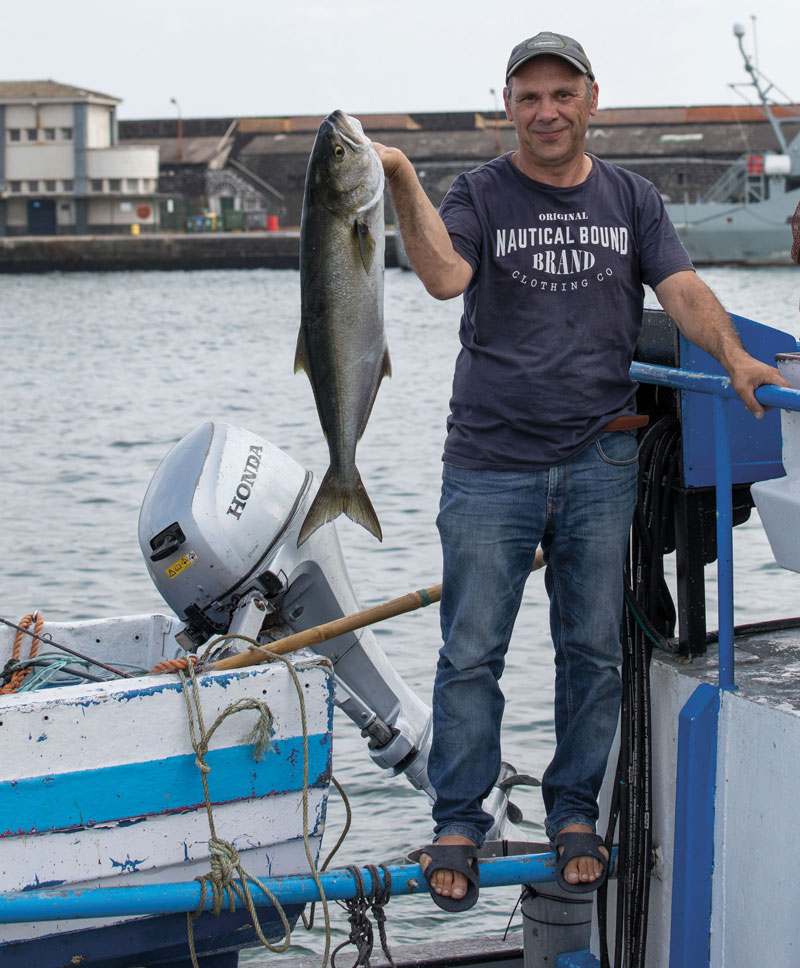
point(103, 373)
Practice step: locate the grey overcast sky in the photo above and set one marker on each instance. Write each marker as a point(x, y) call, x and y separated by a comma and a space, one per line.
point(222, 58)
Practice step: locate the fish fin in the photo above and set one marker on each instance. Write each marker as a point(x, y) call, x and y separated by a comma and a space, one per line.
point(386, 370)
point(334, 498)
point(301, 353)
point(366, 244)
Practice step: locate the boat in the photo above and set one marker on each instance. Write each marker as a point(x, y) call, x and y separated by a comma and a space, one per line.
point(745, 217)
point(107, 782)
point(107, 824)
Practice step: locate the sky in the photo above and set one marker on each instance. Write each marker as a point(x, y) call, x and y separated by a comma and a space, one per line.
point(220, 58)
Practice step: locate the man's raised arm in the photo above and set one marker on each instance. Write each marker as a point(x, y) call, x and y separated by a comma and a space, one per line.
point(442, 270)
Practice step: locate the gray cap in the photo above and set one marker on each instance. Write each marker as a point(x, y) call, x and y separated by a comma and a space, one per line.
point(557, 45)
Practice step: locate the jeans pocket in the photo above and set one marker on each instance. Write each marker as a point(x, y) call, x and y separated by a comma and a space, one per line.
point(618, 447)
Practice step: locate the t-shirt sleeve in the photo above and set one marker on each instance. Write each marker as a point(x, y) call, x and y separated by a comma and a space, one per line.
point(461, 221)
point(661, 251)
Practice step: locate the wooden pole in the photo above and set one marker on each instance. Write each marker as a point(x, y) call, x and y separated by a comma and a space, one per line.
point(321, 633)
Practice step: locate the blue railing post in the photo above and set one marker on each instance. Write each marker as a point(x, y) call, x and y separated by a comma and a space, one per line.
point(722, 451)
point(693, 847)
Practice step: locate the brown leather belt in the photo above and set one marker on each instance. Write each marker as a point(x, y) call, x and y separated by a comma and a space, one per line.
point(630, 422)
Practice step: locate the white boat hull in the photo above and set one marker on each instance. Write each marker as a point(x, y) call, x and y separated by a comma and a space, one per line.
point(99, 787)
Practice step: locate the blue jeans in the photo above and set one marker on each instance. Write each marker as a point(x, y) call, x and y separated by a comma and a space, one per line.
point(490, 523)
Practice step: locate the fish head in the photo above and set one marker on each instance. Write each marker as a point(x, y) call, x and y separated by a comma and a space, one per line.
point(345, 174)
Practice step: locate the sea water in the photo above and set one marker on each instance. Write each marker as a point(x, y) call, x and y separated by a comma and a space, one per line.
point(103, 373)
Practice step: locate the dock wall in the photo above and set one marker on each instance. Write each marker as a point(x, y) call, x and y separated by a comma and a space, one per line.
point(211, 250)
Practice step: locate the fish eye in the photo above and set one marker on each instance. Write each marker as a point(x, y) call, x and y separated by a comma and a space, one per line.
point(338, 151)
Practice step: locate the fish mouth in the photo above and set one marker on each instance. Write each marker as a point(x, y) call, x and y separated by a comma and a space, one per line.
point(349, 129)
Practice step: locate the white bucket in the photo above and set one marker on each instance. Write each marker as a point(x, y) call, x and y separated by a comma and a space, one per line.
point(778, 501)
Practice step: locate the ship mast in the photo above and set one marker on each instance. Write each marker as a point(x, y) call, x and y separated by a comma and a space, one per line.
point(763, 86)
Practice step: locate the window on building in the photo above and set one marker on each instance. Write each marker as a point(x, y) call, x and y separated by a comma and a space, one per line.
point(16, 186)
point(14, 134)
point(33, 186)
point(50, 185)
point(68, 185)
point(49, 134)
point(66, 134)
point(131, 184)
point(97, 184)
point(114, 184)
point(33, 134)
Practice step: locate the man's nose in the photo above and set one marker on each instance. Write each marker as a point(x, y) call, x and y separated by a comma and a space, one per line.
point(547, 109)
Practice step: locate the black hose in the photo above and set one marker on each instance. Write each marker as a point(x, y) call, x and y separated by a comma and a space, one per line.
point(648, 619)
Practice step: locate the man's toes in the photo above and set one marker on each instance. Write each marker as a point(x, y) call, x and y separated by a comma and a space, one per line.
point(449, 884)
point(582, 869)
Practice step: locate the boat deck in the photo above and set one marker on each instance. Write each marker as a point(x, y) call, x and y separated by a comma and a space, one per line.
point(767, 664)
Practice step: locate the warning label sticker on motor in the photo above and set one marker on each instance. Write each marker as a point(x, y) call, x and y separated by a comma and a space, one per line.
point(181, 564)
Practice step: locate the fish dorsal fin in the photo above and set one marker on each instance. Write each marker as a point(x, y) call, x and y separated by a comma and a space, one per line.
point(366, 244)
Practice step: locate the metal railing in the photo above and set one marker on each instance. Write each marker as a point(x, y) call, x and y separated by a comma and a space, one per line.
point(722, 391)
point(157, 899)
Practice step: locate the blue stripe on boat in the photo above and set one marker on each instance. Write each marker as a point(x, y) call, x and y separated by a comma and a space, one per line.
point(116, 793)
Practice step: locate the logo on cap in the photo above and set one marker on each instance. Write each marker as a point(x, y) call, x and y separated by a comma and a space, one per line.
point(546, 40)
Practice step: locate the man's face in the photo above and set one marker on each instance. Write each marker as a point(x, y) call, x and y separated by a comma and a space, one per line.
point(550, 106)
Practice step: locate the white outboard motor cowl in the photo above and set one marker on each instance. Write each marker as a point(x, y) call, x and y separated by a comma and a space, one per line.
point(218, 505)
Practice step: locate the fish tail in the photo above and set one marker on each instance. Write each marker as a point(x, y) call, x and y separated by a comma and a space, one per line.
point(337, 496)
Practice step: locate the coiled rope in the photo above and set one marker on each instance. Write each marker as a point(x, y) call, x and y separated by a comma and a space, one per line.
point(18, 677)
point(361, 933)
point(225, 860)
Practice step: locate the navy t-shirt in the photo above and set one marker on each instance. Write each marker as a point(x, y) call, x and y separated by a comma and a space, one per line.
point(553, 311)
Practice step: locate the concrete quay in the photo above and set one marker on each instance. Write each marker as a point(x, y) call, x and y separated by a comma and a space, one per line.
point(162, 251)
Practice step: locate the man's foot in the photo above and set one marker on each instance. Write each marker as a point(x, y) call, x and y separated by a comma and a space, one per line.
point(444, 882)
point(582, 870)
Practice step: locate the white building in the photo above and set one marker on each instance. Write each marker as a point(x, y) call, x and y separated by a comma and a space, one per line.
point(62, 170)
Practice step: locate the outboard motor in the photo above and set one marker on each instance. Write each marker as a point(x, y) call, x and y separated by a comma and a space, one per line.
point(218, 528)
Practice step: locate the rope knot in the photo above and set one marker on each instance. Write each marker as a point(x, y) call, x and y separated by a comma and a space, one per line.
point(224, 861)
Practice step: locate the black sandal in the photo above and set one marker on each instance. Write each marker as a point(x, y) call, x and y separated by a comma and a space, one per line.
point(579, 844)
point(462, 858)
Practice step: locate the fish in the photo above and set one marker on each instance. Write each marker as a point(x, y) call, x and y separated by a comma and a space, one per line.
point(342, 343)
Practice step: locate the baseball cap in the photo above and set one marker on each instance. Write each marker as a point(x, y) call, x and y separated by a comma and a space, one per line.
point(557, 45)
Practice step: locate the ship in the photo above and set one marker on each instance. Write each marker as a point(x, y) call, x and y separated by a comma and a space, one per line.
point(745, 217)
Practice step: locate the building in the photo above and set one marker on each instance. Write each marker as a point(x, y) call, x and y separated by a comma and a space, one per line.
point(202, 174)
point(258, 165)
point(62, 168)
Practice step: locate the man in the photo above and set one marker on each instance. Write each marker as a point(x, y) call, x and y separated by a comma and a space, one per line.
point(550, 248)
